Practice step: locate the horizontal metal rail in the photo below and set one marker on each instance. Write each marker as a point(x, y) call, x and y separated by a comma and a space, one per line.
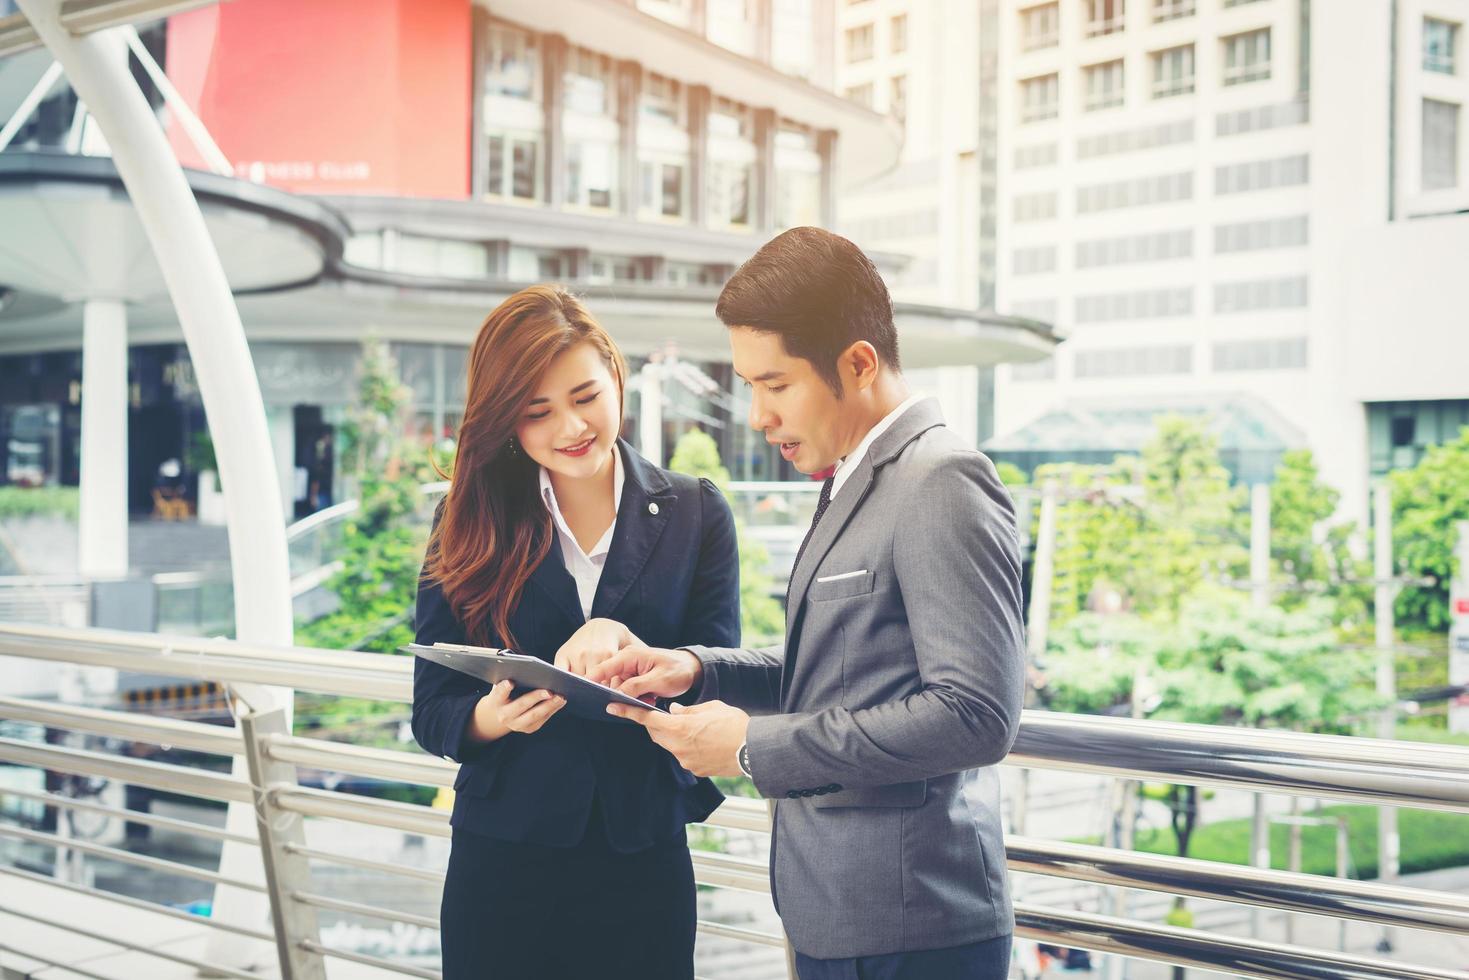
point(737, 813)
point(1330, 766)
point(366, 864)
point(121, 724)
point(207, 969)
point(141, 904)
point(140, 772)
point(735, 932)
point(372, 911)
point(132, 816)
point(1191, 947)
point(1288, 891)
point(360, 760)
point(161, 865)
point(729, 871)
point(41, 958)
point(366, 960)
point(408, 817)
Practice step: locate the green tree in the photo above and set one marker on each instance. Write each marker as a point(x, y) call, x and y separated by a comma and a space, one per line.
point(1427, 502)
point(761, 619)
point(382, 542)
point(1010, 474)
point(1222, 661)
point(1193, 527)
point(1303, 548)
point(1097, 532)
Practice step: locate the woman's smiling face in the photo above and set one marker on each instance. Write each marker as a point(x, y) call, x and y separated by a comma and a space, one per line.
point(575, 415)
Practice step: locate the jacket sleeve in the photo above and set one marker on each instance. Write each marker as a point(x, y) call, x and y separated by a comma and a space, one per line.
point(957, 564)
point(748, 679)
point(443, 699)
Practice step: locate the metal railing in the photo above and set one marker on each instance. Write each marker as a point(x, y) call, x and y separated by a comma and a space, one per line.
point(1365, 770)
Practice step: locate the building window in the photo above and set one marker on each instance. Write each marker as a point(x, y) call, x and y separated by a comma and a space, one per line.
point(1440, 145)
point(898, 97)
point(1260, 294)
point(1260, 175)
point(513, 165)
point(1255, 236)
point(792, 37)
point(512, 64)
point(732, 155)
point(1136, 192)
point(731, 25)
point(1247, 57)
point(1440, 38)
point(1040, 98)
point(1284, 354)
point(1130, 140)
point(898, 33)
point(1038, 155)
point(512, 139)
point(663, 149)
point(591, 130)
point(860, 94)
point(1172, 10)
point(1173, 71)
point(1040, 27)
point(1033, 261)
point(1040, 206)
point(1104, 87)
point(1133, 361)
point(1104, 17)
point(859, 43)
point(677, 12)
point(798, 177)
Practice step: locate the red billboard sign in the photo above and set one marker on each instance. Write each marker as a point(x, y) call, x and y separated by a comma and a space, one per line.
point(331, 96)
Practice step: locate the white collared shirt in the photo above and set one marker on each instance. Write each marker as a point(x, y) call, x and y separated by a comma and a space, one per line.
point(848, 464)
point(585, 567)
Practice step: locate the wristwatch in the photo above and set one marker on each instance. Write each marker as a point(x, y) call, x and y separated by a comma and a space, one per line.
point(743, 757)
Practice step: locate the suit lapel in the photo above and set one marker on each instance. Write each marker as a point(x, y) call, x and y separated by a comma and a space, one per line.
point(918, 419)
point(552, 578)
point(838, 513)
point(643, 512)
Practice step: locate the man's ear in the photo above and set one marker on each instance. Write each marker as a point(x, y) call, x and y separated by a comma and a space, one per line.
point(861, 363)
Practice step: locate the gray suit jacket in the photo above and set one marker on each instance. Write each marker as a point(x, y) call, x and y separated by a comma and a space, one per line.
point(900, 681)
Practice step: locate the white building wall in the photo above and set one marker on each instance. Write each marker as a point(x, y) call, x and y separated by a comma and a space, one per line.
point(1345, 201)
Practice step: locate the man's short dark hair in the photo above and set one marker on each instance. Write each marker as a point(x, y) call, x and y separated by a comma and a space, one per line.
point(819, 294)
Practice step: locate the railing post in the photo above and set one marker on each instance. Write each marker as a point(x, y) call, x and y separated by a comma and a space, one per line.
point(285, 873)
point(790, 950)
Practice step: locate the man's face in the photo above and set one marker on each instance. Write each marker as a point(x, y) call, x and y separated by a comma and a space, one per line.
point(791, 403)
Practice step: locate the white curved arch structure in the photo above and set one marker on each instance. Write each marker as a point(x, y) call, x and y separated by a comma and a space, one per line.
point(96, 66)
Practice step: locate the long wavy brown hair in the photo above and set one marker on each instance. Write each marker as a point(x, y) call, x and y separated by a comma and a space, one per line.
point(493, 530)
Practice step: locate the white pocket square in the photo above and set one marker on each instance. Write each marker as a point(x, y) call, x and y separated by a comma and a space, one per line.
point(838, 578)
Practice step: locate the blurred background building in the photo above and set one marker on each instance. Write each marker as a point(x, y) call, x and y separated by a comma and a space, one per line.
point(401, 180)
point(1218, 203)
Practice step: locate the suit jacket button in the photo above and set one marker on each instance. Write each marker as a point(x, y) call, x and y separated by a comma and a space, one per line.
point(653, 509)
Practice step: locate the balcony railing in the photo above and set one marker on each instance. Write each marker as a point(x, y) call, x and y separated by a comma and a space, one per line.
point(1363, 770)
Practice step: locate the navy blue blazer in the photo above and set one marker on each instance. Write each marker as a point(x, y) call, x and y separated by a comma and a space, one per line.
point(672, 577)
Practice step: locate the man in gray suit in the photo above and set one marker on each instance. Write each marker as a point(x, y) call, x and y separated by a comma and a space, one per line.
point(901, 675)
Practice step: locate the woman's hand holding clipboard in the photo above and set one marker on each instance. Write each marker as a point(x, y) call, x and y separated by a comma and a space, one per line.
point(583, 697)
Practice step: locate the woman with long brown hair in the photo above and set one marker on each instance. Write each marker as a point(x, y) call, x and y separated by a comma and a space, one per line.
point(568, 839)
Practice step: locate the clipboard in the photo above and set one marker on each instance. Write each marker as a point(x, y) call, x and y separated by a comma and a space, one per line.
point(584, 698)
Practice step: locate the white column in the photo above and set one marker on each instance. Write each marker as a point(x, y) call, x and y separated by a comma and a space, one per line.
point(650, 412)
point(103, 518)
